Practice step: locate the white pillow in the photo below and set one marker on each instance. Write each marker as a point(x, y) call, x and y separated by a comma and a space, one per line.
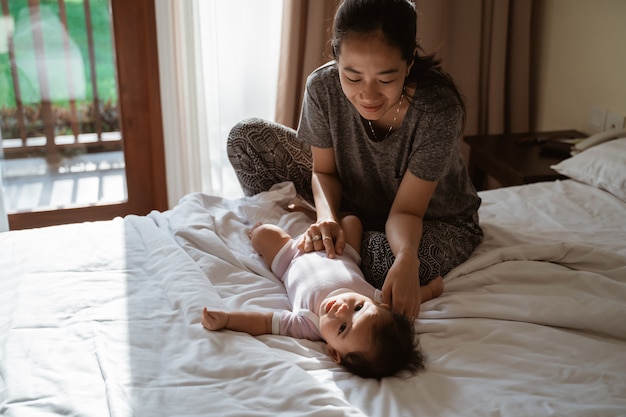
point(602, 166)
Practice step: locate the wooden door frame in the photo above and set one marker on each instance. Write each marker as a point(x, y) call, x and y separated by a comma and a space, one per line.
point(135, 38)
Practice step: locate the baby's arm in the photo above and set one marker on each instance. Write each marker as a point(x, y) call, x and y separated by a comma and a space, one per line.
point(251, 322)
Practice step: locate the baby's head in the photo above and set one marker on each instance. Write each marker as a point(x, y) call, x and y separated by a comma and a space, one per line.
point(368, 338)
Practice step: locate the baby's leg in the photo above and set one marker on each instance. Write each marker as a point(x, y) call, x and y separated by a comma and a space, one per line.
point(353, 230)
point(305, 207)
point(267, 239)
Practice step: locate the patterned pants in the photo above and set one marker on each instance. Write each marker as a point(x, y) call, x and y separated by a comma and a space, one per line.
point(264, 153)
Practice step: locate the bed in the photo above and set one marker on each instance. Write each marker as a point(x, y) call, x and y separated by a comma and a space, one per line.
point(103, 318)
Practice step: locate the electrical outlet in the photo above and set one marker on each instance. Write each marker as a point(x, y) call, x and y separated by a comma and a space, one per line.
point(613, 121)
point(597, 118)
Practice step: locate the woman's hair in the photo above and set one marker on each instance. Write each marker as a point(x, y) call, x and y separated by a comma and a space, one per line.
point(394, 348)
point(397, 21)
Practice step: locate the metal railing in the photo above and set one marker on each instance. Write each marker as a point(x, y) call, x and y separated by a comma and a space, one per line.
point(88, 124)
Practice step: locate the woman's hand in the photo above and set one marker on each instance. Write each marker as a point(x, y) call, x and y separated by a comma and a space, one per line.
point(401, 289)
point(324, 235)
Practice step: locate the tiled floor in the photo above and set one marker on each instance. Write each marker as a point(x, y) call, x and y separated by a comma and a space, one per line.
point(30, 184)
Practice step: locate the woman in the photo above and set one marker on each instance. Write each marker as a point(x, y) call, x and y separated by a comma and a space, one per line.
point(379, 137)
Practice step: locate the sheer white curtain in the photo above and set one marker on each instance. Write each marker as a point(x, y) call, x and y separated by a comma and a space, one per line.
point(5, 28)
point(218, 63)
point(4, 217)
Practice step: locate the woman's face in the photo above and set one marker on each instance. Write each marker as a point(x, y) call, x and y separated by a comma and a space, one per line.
point(372, 74)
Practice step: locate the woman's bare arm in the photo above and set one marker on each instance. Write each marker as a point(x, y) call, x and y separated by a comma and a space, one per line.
point(327, 195)
point(404, 226)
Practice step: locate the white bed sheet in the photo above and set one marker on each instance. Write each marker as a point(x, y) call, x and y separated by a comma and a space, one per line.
point(103, 318)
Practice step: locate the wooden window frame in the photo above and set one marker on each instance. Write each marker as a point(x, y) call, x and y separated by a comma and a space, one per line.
point(134, 28)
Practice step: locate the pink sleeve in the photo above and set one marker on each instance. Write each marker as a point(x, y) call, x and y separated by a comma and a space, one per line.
point(294, 324)
point(283, 258)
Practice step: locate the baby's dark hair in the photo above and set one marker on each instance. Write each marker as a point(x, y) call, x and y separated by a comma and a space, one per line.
point(394, 349)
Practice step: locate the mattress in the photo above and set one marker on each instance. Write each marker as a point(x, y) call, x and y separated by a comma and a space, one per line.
point(103, 318)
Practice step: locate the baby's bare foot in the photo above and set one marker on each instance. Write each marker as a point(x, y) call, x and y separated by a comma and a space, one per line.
point(436, 286)
point(293, 207)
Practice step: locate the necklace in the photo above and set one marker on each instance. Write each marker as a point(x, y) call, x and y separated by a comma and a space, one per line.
point(395, 117)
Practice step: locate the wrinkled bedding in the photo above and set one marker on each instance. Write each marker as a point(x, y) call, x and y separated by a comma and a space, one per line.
point(103, 318)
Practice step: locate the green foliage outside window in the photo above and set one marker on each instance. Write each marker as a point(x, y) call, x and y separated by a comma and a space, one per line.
point(67, 67)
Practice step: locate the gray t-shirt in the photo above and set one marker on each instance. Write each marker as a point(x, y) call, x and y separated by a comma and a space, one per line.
point(427, 144)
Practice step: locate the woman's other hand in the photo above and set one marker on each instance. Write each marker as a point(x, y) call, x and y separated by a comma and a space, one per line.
point(401, 289)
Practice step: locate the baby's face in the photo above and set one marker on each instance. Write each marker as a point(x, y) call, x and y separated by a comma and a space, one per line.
point(347, 320)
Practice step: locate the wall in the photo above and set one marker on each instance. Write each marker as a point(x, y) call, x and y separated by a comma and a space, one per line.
point(581, 61)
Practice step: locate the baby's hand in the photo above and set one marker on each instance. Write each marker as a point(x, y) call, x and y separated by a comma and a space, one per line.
point(257, 224)
point(214, 320)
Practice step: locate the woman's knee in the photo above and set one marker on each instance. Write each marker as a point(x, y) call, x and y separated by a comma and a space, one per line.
point(257, 135)
point(243, 128)
point(255, 125)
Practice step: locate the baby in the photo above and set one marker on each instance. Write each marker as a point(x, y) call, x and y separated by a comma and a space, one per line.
point(331, 301)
